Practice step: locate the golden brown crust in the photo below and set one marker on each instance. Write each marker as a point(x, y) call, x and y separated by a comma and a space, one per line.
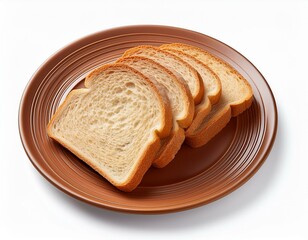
point(147, 157)
point(218, 122)
point(204, 108)
point(241, 105)
point(199, 117)
point(203, 134)
point(199, 84)
point(237, 109)
point(139, 171)
point(214, 126)
point(169, 147)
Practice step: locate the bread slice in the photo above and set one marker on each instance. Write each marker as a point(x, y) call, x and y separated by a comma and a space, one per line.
point(236, 95)
point(181, 102)
point(114, 124)
point(175, 64)
point(211, 82)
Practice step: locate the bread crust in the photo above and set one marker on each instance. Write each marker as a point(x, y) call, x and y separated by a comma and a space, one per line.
point(199, 84)
point(146, 158)
point(204, 108)
point(200, 136)
point(169, 147)
point(217, 123)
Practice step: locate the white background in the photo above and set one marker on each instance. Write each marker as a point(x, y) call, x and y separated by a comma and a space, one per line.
point(272, 205)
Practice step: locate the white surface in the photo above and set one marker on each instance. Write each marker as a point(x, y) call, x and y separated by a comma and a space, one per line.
point(272, 205)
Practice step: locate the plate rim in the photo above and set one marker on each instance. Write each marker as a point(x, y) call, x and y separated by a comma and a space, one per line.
point(179, 207)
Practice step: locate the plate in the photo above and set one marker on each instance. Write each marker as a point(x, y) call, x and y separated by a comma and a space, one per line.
point(195, 177)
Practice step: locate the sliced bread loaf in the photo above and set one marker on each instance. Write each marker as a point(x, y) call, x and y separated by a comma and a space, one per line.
point(175, 64)
point(236, 95)
point(115, 124)
point(212, 86)
point(180, 99)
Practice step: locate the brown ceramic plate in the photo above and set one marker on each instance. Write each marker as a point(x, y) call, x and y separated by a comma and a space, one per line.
point(195, 177)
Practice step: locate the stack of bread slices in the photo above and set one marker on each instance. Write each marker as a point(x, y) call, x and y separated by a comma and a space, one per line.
point(137, 112)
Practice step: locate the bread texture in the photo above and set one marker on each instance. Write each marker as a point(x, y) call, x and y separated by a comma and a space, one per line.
point(235, 98)
point(212, 86)
point(180, 99)
point(175, 64)
point(115, 124)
